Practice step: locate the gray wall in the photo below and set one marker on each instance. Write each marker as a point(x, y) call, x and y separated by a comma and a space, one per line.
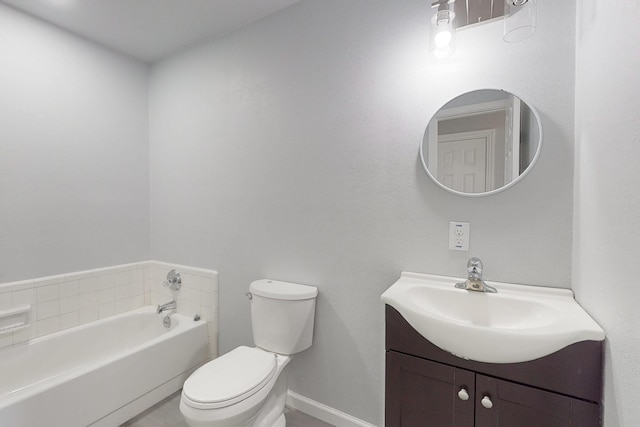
point(74, 174)
point(289, 150)
point(607, 206)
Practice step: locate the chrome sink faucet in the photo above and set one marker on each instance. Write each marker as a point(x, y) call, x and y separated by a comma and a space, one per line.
point(474, 280)
point(171, 305)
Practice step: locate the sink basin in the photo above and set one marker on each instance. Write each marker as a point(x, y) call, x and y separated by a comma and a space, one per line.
point(517, 324)
point(482, 310)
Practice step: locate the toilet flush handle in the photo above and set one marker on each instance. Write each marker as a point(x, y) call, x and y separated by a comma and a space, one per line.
point(249, 295)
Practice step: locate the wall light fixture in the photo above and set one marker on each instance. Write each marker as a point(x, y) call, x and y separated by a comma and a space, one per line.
point(519, 20)
point(442, 29)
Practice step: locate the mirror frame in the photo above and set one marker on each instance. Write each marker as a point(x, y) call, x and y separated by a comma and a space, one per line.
point(424, 156)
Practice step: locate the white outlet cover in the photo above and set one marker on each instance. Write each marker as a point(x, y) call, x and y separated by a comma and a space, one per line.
point(459, 236)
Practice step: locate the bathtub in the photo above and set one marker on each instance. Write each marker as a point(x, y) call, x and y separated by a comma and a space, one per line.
point(100, 374)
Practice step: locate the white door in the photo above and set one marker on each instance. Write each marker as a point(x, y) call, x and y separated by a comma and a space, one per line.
point(462, 162)
point(512, 141)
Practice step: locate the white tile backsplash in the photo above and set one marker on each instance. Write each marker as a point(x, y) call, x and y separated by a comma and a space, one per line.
point(106, 281)
point(70, 304)
point(198, 294)
point(47, 293)
point(23, 297)
point(121, 292)
point(46, 310)
point(122, 305)
point(68, 300)
point(69, 320)
point(89, 299)
point(87, 285)
point(5, 301)
point(68, 289)
point(6, 340)
point(48, 326)
point(106, 296)
point(88, 314)
point(106, 310)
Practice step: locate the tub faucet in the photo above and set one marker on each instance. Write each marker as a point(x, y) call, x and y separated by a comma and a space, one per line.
point(171, 305)
point(474, 280)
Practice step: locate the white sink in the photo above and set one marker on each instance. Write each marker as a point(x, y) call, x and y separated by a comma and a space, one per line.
point(517, 324)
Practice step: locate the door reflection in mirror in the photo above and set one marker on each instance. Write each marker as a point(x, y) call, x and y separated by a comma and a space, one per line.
point(481, 142)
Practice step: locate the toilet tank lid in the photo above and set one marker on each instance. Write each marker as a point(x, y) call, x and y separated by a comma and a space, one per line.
point(282, 290)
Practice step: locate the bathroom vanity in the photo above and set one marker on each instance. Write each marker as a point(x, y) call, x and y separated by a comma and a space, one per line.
point(428, 386)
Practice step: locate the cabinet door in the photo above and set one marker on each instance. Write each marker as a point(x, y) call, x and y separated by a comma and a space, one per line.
point(507, 404)
point(421, 393)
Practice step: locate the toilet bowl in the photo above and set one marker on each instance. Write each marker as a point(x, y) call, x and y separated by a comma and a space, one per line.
point(247, 386)
point(234, 390)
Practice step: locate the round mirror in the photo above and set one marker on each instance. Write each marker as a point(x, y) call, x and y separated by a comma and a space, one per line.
point(481, 142)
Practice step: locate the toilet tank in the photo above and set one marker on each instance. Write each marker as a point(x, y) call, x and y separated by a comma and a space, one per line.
point(282, 315)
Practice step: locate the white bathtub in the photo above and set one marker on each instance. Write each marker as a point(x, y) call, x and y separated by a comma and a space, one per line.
point(100, 374)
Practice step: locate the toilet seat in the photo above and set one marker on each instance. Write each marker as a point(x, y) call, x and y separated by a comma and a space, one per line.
point(229, 379)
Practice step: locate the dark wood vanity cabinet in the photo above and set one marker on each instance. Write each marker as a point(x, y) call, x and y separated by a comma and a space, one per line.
point(428, 387)
point(423, 393)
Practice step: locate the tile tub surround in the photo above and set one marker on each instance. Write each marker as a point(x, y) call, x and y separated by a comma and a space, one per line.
point(198, 294)
point(67, 300)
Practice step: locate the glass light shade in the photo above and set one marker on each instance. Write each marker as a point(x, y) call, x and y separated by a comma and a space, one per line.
point(519, 19)
point(443, 33)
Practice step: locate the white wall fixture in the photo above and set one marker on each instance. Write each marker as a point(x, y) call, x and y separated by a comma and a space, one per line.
point(520, 20)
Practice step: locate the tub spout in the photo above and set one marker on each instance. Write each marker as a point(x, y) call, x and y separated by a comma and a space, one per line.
point(168, 306)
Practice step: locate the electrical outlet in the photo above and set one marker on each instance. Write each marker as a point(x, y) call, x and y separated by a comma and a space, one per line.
point(459, 236)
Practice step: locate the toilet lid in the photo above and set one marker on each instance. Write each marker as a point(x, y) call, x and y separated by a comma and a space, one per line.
point(230, 378)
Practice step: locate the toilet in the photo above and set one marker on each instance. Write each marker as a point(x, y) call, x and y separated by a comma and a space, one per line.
point(247, 386)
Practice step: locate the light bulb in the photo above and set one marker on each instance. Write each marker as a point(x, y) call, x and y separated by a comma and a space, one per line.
point(443, 38)
point(443, 33)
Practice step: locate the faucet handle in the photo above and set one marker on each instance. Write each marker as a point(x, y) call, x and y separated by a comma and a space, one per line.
point(174, 280)
point(474, 265)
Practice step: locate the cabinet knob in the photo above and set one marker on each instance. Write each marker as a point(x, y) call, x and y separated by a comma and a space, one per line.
point(463, 394)
point(486, 402)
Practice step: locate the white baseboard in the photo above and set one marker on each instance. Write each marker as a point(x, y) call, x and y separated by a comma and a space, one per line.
point(323, 412)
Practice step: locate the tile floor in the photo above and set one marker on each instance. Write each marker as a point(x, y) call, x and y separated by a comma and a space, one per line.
point(167, 414)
